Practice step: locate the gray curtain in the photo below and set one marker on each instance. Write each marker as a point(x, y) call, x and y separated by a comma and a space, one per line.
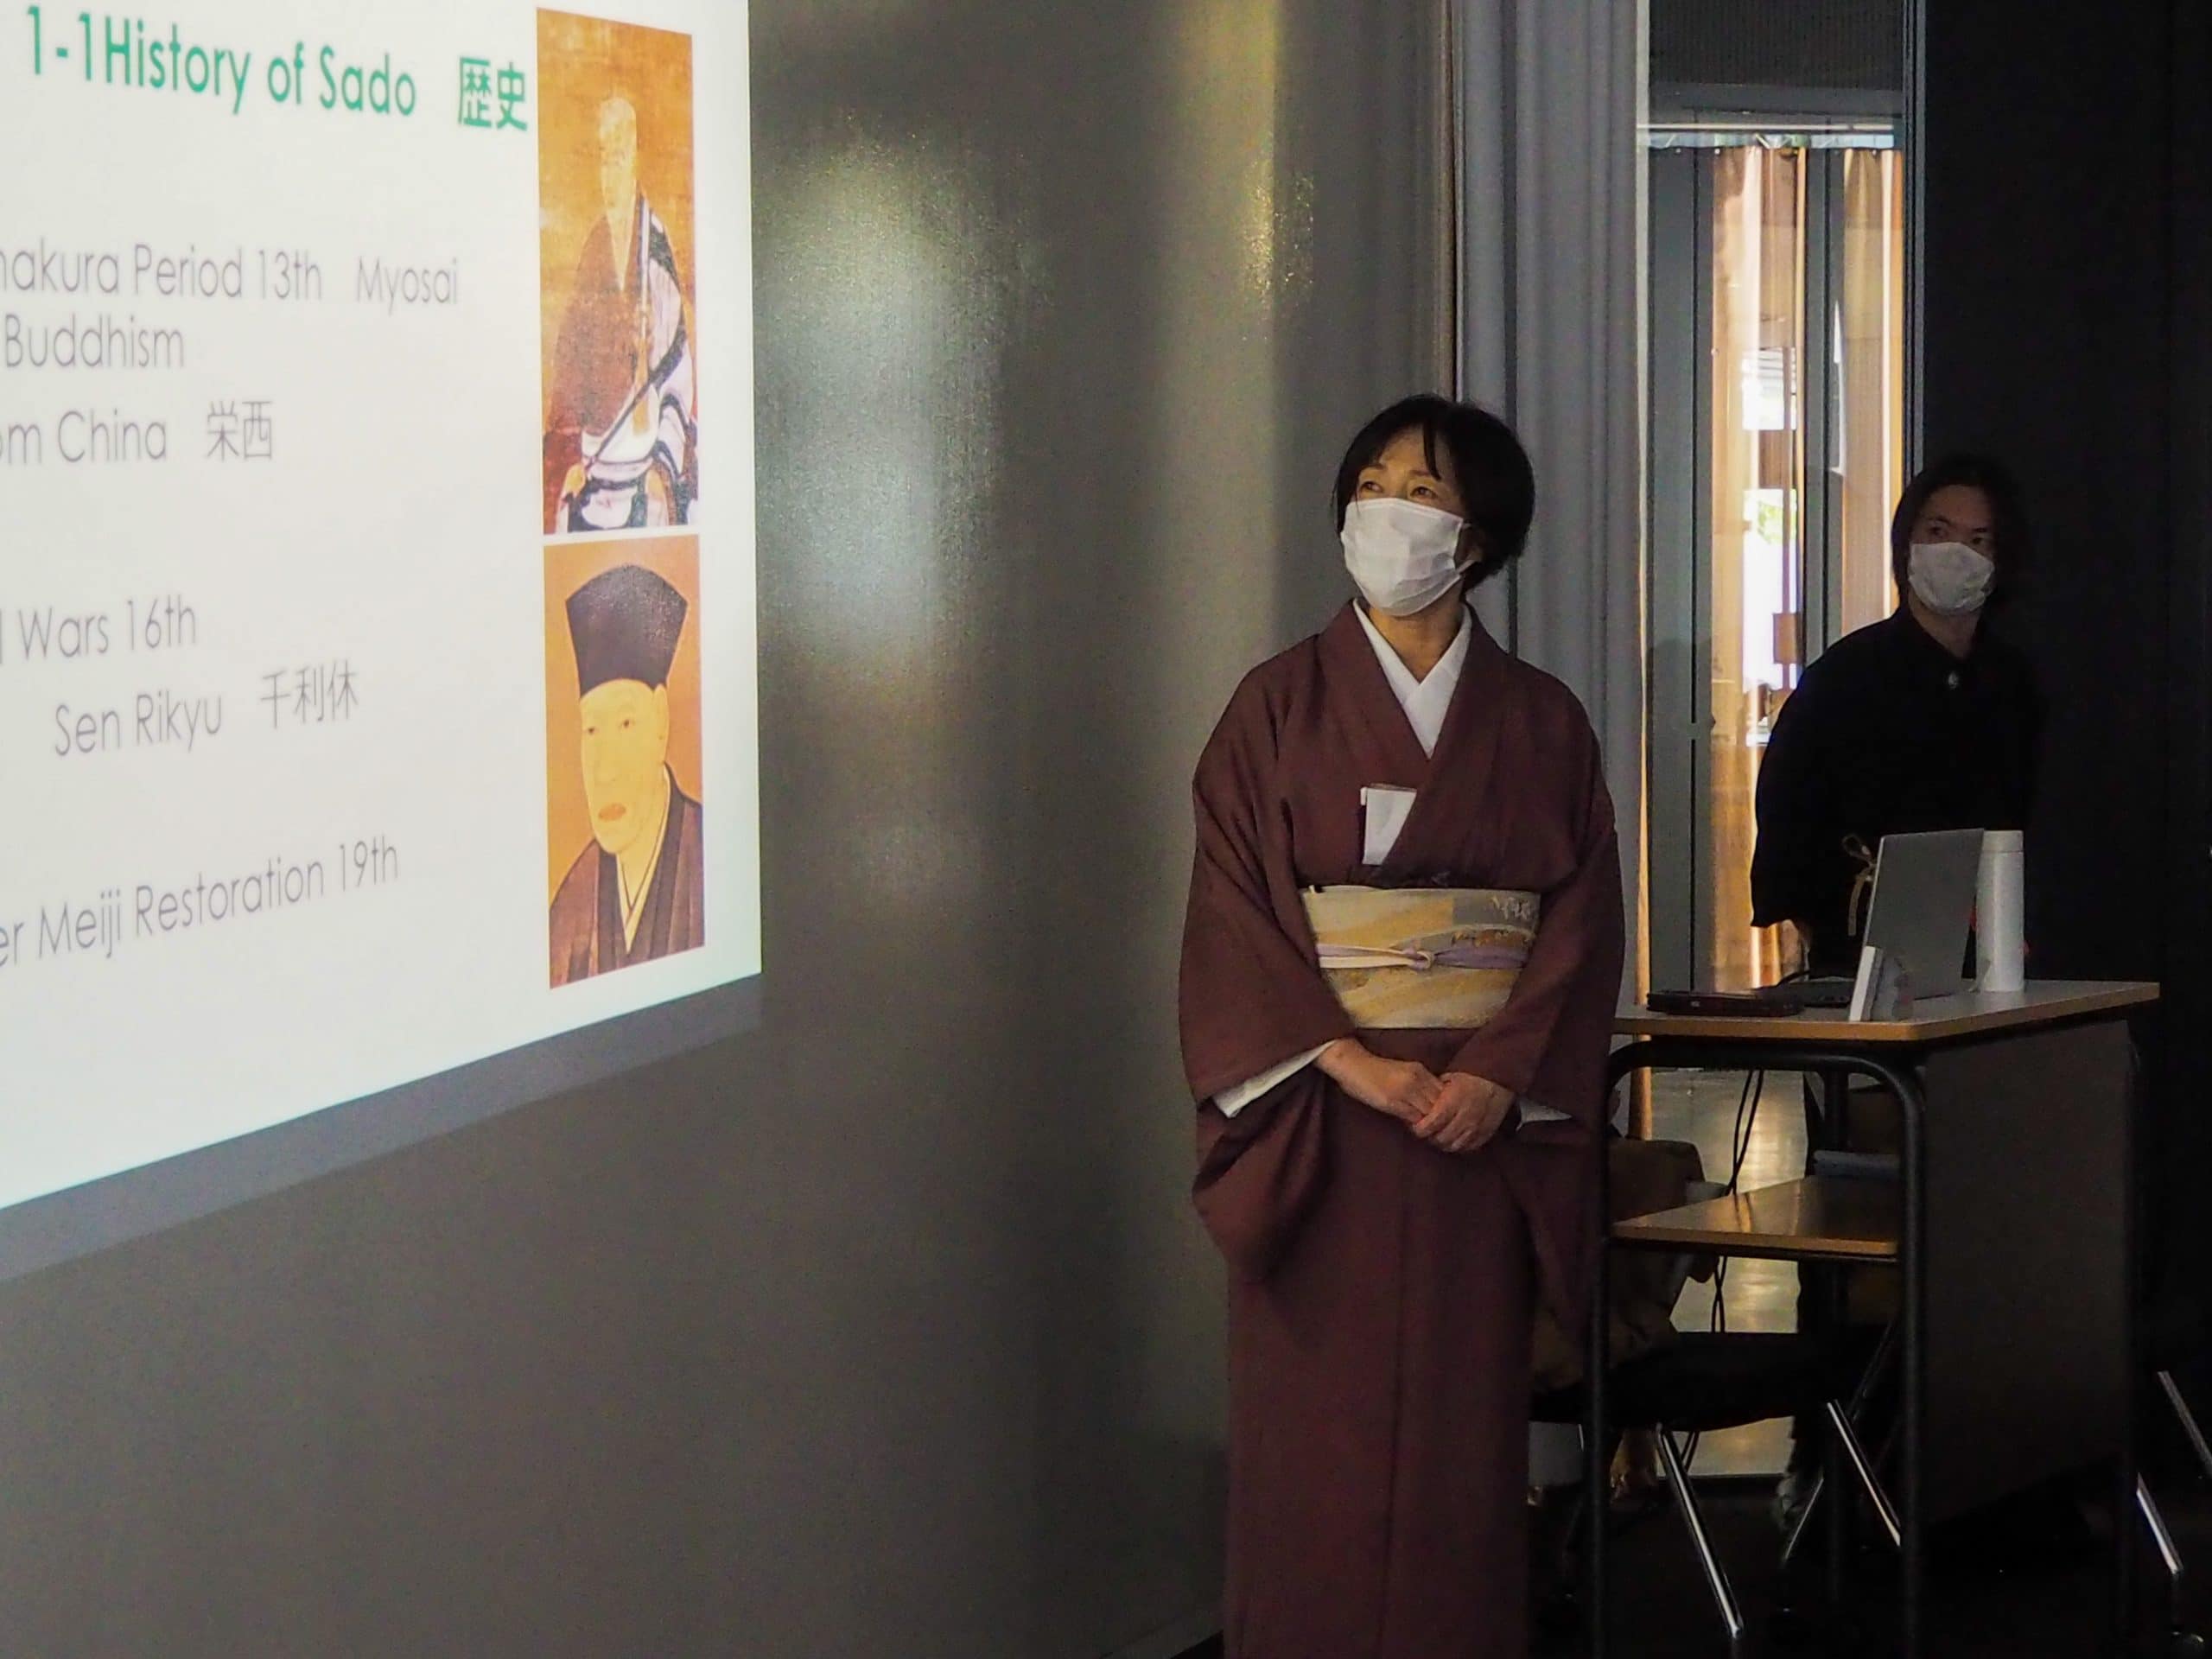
point(1549, 95)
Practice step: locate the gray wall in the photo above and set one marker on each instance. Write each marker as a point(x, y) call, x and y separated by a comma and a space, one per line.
point(887, 1330)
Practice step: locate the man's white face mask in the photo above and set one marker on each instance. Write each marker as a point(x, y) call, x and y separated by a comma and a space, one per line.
point(1950, 578)
point(1402, 556)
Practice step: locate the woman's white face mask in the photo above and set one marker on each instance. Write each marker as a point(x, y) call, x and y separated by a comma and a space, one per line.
point(1950, 578)
point(1402, 556)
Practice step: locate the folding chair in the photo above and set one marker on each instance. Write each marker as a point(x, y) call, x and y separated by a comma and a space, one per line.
point(1705, 1381)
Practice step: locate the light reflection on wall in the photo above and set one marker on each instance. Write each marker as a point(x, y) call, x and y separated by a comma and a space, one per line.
point(1238, 254)
point(889, 389)
point(1243, 239)
point(1066, 309)
point(877, 547)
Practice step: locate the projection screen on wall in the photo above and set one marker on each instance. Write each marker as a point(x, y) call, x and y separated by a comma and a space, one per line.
point(376, 634)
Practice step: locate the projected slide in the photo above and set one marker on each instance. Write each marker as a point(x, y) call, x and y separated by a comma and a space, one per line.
point(376, 635)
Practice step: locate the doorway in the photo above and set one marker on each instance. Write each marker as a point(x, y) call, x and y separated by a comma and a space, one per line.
point(1777, 422)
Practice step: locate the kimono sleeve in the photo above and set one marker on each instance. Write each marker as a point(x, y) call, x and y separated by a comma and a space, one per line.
point(1549, 1042)
point(1250, 998)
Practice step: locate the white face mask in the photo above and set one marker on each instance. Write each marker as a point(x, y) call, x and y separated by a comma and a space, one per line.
point(1950, 578)
point(1403, 556)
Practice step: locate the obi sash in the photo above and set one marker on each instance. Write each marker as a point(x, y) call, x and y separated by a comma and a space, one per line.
point(1421, 958)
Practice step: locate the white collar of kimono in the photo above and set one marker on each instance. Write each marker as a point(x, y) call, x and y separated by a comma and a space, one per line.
point(1426, 701)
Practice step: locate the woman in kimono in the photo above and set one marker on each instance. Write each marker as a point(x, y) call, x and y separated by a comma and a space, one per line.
point(1400, 967)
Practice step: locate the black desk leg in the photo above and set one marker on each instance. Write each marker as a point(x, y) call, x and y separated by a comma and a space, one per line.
point(2123, 1544)
point(1596, 1461)
point(1833, 1134)
point(1912, 1114)
point(2125, 1474)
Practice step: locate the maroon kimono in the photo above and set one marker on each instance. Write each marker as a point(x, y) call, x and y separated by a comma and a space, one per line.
point(1381, 1291)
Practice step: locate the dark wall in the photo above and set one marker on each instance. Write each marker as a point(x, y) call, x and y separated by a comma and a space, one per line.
point(2188, 591)
point(1855, 44)
point(2065, 219)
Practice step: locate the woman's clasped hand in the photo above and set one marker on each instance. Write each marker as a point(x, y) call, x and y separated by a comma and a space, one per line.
point(1456, 1112)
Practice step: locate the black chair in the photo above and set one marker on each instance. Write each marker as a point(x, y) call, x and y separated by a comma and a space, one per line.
point(1705, 1381)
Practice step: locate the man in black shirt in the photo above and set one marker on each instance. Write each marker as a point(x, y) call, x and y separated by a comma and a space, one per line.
point(1923, 723)
point(1920, 723)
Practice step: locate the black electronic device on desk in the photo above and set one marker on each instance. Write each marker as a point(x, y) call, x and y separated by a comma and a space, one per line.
point(1725, 1005)
point(1774, 1001)
point(1768, 1001)
point(1828, 991)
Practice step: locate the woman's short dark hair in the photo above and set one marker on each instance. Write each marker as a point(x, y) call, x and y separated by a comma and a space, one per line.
point(1487, 462)
point(2008, 524)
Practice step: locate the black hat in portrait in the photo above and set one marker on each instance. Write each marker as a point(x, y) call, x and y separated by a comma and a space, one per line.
point(625, 623)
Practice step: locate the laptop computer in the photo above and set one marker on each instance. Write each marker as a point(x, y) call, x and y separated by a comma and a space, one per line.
point(1921, 913)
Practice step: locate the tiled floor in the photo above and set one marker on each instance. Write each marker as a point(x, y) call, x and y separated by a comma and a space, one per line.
point(2029, 1583)
point(2028, 1580)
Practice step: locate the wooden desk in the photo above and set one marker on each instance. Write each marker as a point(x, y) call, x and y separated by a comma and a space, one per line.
point(1939, 1019)
point(1819, 1218)
point(2010, 1224)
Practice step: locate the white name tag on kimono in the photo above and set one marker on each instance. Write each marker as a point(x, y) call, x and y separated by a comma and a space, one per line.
point(1386, 809)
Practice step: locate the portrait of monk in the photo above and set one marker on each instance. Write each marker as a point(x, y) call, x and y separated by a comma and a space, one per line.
point(621, 434)
point(636, 891)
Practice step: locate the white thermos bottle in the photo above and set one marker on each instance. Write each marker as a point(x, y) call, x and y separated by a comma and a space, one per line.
point(1998, 926)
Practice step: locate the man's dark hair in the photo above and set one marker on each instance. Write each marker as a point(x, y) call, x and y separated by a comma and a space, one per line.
point(2007, 520)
